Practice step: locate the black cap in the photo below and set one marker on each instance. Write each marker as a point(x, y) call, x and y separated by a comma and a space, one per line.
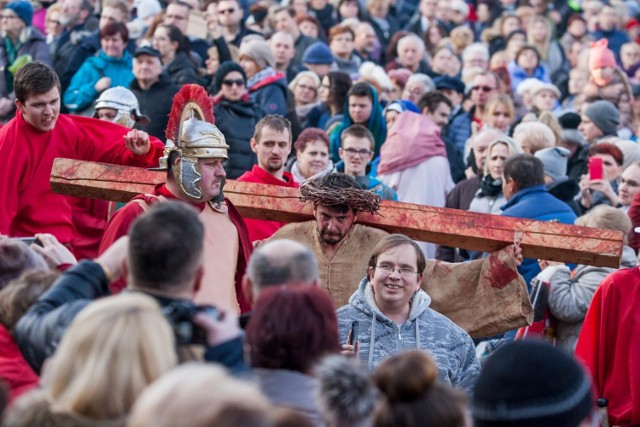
point(448, 82)
point(569, 120)
point(147, 50)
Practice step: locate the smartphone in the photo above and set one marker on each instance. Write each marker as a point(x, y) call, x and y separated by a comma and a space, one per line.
point(353, 334)
point(595, 168)
point(27, 240)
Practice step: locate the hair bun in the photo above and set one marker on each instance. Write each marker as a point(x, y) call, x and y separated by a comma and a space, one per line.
point(406, 376)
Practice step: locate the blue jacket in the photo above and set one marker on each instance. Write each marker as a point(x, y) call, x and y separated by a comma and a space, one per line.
point(518, 75)
point(81, 93)
point(536, 203)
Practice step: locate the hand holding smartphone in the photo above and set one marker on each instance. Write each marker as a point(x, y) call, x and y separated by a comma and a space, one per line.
point(353, 333)
point(596, 168)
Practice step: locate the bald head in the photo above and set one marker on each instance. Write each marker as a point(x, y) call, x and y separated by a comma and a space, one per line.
point(480, 143)
point(281, 262)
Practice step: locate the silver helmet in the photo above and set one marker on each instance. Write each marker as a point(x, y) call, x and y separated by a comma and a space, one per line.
point(125, 103)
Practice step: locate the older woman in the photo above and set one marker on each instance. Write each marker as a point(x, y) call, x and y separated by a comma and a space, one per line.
point(173, 47)
point(305, 92)
point(411, 52)
point(110, 67)
point(312, 156)
point(489, 197)
point(571, 291)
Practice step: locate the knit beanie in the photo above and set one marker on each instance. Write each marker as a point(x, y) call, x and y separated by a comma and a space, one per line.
point(23, 9)
point(259, 51)
point(225, 68)
point(630, 151)
point(531, 383)
point(601, 56)
point(15, 258)
point(317, 54)
point(604, 115)
point(554, 160)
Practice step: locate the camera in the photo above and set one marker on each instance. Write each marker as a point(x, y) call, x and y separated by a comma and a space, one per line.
point(180, 315)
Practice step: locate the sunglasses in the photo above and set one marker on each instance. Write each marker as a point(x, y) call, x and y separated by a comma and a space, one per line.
point(231, 10)
point(231, 82)
point(483, 88)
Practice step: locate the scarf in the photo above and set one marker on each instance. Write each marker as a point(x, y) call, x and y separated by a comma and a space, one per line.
point(260, 75)
point(490, 187)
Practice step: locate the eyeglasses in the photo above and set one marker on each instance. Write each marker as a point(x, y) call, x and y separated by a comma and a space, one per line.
point(629, 182)
point(388, 269)
point(177, 17)
point(8, 17)
point(230, 10)
point(231, 82)
point(483, 88)
point(353, 152)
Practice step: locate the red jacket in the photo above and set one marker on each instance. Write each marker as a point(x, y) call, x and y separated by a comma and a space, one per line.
point(27, 204)
point(260, 229)
point(609, 345)
point(14, 370)
point(121, 222)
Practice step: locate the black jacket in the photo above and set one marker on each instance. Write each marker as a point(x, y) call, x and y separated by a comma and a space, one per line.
point(274, 96)
point(182, 70)
point(40, 330)
point(155, 102)
point(237, 121)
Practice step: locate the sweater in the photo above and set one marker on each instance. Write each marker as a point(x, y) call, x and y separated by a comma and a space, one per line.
point(425, 329)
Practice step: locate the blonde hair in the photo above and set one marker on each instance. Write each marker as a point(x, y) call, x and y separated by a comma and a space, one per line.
point(113, 349)
point(543, 48)
point(534, 136)
point(461, 37)
point(504, 100)
point(513, 148)
point(607, 217)
point(309, 74)
point(194, 395)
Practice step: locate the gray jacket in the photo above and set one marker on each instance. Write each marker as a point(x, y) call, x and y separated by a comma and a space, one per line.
point(570, 297)
point(380, 337)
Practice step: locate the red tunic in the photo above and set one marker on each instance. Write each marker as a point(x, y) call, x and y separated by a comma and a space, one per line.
point(609, 345)
point(14, 370)
point(260, 229)
point(121, 221)
point(27, 204)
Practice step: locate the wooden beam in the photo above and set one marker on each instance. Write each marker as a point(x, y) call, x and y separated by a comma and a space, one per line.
point(451, 227)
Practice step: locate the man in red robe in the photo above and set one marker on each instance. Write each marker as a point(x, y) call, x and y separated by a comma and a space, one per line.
point(193, 159)
point(36, 136)
point(272, 144)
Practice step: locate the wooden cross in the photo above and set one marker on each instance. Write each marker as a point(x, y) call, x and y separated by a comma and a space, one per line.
point(451, 227)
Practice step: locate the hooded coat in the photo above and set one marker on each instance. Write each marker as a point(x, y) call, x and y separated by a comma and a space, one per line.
point(425, 329)
point(376, 125)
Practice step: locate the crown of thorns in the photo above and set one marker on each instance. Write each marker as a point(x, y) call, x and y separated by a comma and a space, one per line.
point(356, 198)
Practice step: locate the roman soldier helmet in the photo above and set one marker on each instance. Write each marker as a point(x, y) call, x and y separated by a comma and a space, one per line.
point(192, 134)
point(125, 103)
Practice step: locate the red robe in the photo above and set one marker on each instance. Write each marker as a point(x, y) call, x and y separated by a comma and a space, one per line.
point(609, 345)
point(14, 370)
point(260, 229)
point(27, 204)
point(121, 222)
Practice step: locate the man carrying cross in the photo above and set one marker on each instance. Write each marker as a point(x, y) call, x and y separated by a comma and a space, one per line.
point(193, 161)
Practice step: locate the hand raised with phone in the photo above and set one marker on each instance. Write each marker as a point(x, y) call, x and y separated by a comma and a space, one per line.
point(352, 346)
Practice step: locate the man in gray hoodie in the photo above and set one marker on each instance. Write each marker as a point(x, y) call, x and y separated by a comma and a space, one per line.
point(393, 315)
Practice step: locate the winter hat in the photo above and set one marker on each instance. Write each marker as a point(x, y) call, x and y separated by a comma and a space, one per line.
point(604, 115)
point(540, 86)
point(601, 56)
point(259, 51)
point(527, 85)
point(630, 151)
point(400, 75)
point(317, 54)
point(225, 68)
point(554, 160)
point(450, 83)
point(23, 9)
point(147, 8)
point(15, 258)
point(531, 383)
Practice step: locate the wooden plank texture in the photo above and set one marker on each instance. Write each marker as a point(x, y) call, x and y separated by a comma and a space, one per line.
point(452, 227)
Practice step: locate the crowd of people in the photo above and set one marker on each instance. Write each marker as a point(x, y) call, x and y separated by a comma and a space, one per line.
point(179, 308)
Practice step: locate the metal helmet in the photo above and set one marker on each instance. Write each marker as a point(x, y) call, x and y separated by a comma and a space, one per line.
point(192, 134)
point(125, 103)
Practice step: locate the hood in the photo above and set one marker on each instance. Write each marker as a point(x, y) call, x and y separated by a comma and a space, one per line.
point(126, 57)
point(363, 300)
point(376, 125)
point(628, 258)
